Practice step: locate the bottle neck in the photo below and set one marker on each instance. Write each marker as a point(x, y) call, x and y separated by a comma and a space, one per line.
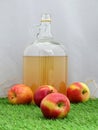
point(44, 30)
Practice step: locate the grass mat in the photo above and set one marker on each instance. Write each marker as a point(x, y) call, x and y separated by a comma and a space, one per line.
point(82, 116)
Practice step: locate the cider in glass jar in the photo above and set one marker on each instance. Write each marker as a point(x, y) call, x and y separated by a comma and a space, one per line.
point(45, 61)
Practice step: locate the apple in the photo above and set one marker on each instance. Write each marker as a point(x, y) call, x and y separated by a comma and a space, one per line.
point(41, 92)
point(20, 94)
point(78, 92)
point(55, 105)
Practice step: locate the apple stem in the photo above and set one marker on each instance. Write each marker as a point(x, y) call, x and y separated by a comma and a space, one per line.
point(60, 104)
point(84, 91)
point(51, 91)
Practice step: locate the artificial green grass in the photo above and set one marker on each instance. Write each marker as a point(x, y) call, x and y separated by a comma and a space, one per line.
point(82, 116)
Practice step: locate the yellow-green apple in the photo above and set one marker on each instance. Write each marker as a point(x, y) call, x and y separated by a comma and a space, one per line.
point(55, 105)
point(78, 92)
point(41, 92)
point(20, 94)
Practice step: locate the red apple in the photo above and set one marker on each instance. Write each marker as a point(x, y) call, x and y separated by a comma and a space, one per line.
point(55, 105)
point(78, 92)
point(41, 92)
point(20, 94)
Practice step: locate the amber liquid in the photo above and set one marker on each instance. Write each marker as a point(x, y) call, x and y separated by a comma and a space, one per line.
point(42, 70)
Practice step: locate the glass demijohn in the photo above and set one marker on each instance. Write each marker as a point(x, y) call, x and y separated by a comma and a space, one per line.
point(45, 61)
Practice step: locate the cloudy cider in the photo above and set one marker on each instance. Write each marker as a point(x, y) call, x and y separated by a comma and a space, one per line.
point(45, 61)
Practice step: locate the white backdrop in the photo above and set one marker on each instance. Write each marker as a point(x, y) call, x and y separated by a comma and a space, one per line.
point(74, 22)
